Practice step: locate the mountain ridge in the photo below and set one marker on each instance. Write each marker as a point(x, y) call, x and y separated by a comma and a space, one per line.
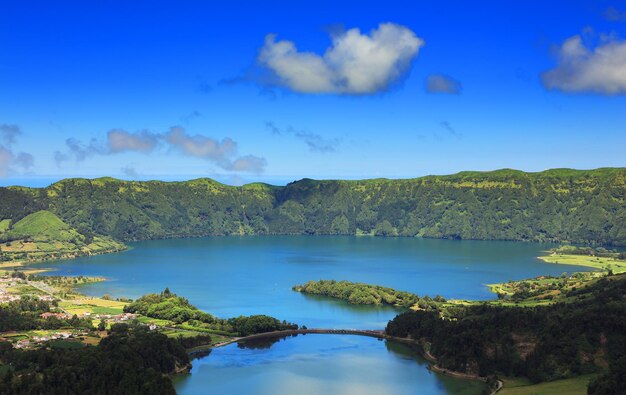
point(556, 205)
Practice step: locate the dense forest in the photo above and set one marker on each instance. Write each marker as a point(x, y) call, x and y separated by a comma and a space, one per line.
point(582, 206)
point(130, 360)
point(542, 343)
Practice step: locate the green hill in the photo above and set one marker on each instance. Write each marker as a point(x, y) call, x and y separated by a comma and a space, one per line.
point(580, 206)
point(43, 225)
point(42, 235)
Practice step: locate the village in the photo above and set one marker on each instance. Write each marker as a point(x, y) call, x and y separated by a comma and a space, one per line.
point(67, 305)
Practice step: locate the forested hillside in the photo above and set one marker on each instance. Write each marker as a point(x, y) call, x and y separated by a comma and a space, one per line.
point(554, 205)
point(585, 334)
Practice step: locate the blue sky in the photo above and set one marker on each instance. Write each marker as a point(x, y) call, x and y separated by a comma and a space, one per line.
point(139, 91)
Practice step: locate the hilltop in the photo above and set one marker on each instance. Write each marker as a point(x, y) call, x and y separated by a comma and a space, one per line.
point(560, 205)
point(42, 235)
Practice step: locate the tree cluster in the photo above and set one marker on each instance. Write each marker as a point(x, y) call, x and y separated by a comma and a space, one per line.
point(24, 314)
point(542, 343)
point(359, 293)
point(169, 306)
point(128, 361)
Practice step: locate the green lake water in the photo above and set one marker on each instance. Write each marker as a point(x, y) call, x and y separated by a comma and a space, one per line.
point(231, 276)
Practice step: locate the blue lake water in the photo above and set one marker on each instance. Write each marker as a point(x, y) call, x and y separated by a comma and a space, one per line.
point(319, 364)
point(231, 276)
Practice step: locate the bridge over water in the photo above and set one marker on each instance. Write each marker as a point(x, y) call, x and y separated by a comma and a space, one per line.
point(380, 334)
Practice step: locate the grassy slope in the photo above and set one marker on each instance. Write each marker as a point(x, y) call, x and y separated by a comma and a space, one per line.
point(44, 226)
point(573, 386)
point(42, 236)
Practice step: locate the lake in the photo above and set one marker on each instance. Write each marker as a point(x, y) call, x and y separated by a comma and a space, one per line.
point(231, 276)
point(319, 364)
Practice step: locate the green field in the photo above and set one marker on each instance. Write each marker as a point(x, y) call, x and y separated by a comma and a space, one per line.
point(93, 306)
point(573, 386)
point(25, 290)
point(600, 263)
point(149, 320)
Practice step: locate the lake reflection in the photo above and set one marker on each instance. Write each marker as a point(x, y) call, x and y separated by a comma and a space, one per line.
point(319, 364)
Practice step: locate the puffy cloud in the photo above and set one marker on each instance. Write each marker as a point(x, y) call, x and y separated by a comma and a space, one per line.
point(222, 153)
point(9, 133)
point(248, 163)
point(119, 140)
point(601, 69)
point(439, 83)
point(355, 63)
point(200, 146)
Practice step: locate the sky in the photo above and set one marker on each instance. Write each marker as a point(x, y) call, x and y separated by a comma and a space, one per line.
point(279, 91)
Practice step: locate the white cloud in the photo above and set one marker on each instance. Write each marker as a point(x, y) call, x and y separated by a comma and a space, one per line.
point(439, 83)
point(355, 63)
point(120, 140)
point(581, 69)
point(223, 153)
point(200, 146)
point(249, 164)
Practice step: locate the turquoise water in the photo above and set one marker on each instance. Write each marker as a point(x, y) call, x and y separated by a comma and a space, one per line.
point(231, 276)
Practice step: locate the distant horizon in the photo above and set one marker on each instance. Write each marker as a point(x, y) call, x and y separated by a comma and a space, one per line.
point(37, 181)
